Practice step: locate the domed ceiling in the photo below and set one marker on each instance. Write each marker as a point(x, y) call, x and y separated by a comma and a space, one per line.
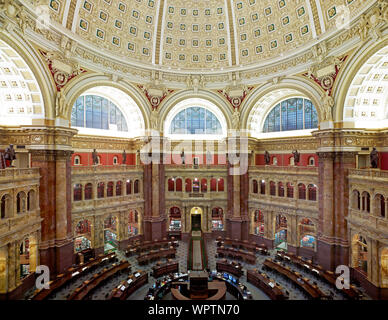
point(203, 34)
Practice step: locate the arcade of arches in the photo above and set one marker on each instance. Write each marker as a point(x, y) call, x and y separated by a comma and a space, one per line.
point(86, 123)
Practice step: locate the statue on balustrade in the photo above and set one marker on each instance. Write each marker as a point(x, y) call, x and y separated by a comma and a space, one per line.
point(296, 156)
point(267, 158)
point(124, 157)
point(183, 157)
point(9, 156)
point(95, 157)
point(374, 159)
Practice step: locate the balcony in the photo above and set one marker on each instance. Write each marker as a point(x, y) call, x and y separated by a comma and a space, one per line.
point(15, 174)
point(97, 170)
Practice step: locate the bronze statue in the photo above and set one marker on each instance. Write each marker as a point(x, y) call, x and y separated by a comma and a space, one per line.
point(183, 157)
point(124, 157)
point(95, 157)
point(374, 159)
point(267, 158)
point(296, 156)
point(10, 155)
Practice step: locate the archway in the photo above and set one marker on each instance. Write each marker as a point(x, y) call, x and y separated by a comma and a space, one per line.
point(110, 234)
point(175, 216)
point(281, 232)
point(83, 236)
point(196, 219)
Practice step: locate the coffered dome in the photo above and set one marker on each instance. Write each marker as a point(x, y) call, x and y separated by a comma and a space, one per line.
point(203, 35)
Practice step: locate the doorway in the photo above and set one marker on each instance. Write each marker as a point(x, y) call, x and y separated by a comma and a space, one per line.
point(196, 219)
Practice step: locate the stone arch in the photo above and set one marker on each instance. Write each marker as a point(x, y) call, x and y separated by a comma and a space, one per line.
point(347, 75)
point(87, 82)
point(167, 106)
point(273, 94)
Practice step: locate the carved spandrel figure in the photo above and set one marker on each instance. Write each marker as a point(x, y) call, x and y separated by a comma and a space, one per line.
point(124, 157)
point(328, 104)
point(374, 159)
point(154, 119)
point(10, 155)
point(296, 156)
point(95, 157)
point(60, 106)
point(236, 119)
point(267, 158)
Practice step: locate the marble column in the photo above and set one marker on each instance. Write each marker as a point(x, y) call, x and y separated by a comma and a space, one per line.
point(4, 269)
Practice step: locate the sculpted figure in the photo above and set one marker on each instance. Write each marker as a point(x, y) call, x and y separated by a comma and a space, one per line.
point(296, 156)
point(60, 105)
point(183, 156)
point(374, 159)
point(154, 119)
point(328, 104)
point(236, 119)
point(267, 158)
point(124, 157)
point(95, 157)
point(10, 155)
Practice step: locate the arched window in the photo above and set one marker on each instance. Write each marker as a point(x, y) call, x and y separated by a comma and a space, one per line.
point(302, 191)
point(109, 191)
point(100, 190)
point(380, 205)
point(195, 120)
point(178, 185)
point(129, 187)
point(356, 200)
point(20, 202)
point(88, 191)
point(175, 219)
point(83, 235)
point(5, 206)
point(272, 188)
point(136, 187)
point(275, 161)
point(255, 186)
point(280, 189)
point(119, 187)
point(311, 161)
point(171, 185)
point(217, 219)
point(188, 187)
point(31, 200)
point(115, 160)
point(203, 185)
point(77, 192)
point(312, 191)
point(92, 111)
point(291, 161)
point(221, 185)
point(292, 114)
point(366, 202)
point(290, 190)
point(195, 185)
point(213, 185)
point(77, 160)
point(262, 187)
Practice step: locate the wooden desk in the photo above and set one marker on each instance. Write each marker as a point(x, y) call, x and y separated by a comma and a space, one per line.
point(262, 282)
point(311, 290)
point(163, 253)
point(147, 245)
point(351, 293)
point(248, 257)
point(231, 268)
point(129, 286)
point(238, 244)
point(81, 292)
point(167, 268)
point(72, 274)
point(217, 287)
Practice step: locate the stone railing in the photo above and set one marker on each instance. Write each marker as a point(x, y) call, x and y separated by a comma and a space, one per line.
point(12, 174)
point(284, 170)
point(82, 170)
point(368, 174)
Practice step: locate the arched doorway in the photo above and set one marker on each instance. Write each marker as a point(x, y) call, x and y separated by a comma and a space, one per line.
point(110, 234)
point(281, 232)
point(83, 234)
point(196, 219)
point(175, 219)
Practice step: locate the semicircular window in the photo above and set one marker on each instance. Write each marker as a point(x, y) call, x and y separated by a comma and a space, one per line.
point(195, 120)
point(292, 114)
point(95, 112)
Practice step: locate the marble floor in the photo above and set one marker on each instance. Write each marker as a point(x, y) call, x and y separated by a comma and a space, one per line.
point(102, 292)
